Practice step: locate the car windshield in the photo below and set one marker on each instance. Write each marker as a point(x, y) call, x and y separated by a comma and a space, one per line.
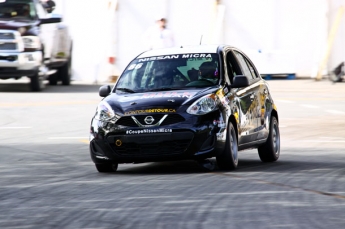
point(17, 9)
point(170, 72)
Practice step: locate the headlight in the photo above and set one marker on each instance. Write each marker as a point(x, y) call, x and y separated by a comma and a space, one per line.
point(104, 112)
point(203, 105)
point(31, 42)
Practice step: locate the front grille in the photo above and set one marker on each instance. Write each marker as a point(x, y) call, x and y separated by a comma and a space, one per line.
point(7, 69)
point(157, 149)
point(8, 46)
point(171, 119)
point(6, 36)
point(9, 58)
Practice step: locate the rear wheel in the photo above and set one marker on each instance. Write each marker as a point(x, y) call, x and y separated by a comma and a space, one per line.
point(106, 168)
point(66, 72)
point(270, 151)
point(53, 79)
point(228, 160)
point(62, 74)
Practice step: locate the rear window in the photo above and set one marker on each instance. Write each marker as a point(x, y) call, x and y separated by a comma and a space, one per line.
point(171, 72)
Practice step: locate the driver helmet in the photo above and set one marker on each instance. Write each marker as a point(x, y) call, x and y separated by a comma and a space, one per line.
point(208, 70)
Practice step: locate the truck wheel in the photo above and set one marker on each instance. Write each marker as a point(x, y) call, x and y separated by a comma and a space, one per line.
point(228, 160)
point(53, 79)
point(66, 72)
point(270, 151)
point(36, 83)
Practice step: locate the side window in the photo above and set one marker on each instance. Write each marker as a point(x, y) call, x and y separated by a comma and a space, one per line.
point(246, 71)
point(232, 66)
point(251, 69)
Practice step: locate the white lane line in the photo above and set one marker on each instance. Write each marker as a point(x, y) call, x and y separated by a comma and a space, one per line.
point(183, 201)
point(335, 112)
point(252, 193)
point(284, 101)
point(333, 138)
point(309, 106)
point(323, 141)
point(66, 138)
point(15, 127)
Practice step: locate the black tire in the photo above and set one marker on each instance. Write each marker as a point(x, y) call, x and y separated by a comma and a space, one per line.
point(270, 151)
point(107, 168)
point(53, 79)
point(36, 83)
point(228, 160)
point(65, 72)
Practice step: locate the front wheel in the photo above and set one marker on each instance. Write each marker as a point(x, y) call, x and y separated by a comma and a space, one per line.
point(36, 82)
point(228, 160)
point(270, 151)
point(107, 168)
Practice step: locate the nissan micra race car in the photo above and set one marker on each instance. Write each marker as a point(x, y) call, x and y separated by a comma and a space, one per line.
point(187, 103)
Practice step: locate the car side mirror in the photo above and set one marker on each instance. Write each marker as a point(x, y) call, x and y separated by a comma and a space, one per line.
point(104, 90)
point(240, 81)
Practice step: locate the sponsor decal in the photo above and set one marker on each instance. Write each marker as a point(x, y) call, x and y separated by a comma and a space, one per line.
point(149, 131)
point(220, 93)
point(173, 94)
point(185, 56)
point(154, 110)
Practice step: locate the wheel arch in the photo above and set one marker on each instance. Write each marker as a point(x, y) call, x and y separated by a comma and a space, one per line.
point(232, 119)
point(275, 114)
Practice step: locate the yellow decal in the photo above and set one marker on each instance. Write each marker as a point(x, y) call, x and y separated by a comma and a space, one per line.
point(163, 110)
point(220, 93)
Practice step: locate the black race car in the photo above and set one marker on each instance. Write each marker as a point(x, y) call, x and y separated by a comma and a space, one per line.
point(194, 102)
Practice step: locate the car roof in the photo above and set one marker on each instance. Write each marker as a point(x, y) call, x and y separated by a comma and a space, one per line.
point(181, 50)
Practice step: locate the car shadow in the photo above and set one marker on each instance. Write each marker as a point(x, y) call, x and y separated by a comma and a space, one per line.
point(244, 166)
point(167, 168)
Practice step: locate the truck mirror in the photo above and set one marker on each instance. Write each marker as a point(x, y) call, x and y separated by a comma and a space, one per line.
point(50, 6)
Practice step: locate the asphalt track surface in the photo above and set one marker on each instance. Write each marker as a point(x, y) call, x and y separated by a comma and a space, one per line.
point(47, 179)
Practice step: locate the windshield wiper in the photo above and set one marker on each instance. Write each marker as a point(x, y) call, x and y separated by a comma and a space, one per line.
point(125, 89)
point(166, 89)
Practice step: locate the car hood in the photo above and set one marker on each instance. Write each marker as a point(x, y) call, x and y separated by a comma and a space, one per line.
point(154, 102)
point(15, 25)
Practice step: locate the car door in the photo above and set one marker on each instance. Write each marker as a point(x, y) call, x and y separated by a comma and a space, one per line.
point(264, 104)
point(248, 101)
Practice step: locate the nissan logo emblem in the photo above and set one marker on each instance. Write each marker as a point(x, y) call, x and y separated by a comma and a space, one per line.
point(149, 120)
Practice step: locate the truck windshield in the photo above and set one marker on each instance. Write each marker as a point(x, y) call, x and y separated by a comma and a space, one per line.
point(159, 73)
point(17, 9)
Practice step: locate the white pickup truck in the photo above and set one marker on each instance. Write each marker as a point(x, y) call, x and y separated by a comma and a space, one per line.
point(34, 43)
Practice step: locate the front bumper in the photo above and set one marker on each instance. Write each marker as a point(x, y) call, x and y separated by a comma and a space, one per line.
point(19, 64)
point(179, 144)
